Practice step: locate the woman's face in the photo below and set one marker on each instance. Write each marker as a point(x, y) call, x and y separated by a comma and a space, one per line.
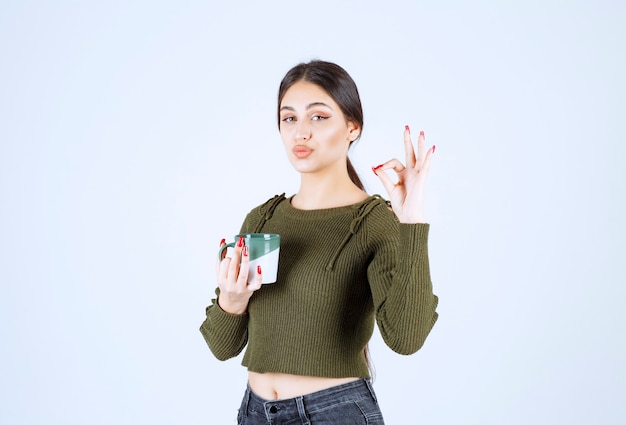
point(314, 130)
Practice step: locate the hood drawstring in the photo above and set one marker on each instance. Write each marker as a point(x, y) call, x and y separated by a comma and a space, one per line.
point(266, 210)
point(364, 210)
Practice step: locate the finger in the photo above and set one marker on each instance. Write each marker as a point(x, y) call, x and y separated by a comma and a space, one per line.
point(219, 260)
point(426, 164)
point(421, 146)
point(222, 269)
point(233, 269)
point(242, 279)
point(387, 182)
point(222, 243)
point(408, 148)
point(395, 165)
point(258, 280)
point(392, 164)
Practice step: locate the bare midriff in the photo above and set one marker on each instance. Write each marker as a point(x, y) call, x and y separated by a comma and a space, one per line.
point(279, 386)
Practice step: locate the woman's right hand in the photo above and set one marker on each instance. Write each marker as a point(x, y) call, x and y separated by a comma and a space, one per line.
point(232, 279)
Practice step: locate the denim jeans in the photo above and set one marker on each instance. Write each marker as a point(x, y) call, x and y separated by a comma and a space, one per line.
point(353, 403)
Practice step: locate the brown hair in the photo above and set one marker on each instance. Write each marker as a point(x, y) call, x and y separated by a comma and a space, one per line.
point(335, 81)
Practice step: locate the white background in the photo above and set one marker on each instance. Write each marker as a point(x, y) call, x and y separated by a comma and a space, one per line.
point(132, 138)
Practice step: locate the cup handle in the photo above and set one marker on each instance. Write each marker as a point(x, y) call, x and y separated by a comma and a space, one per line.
point(222, 248)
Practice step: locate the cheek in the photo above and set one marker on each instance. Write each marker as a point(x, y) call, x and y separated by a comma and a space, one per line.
point(283, 134)
point(338, 136)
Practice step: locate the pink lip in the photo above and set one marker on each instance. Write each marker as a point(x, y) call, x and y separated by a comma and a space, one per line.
point(301, 151)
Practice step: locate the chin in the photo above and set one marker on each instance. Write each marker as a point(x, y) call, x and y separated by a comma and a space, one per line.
point(303, 170)
point(301, 166)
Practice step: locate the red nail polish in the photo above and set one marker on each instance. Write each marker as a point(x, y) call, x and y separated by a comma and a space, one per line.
point(245, 251)
point(434, 148)
point(258, 269)
point(422, 133)
point(240, 242)
point(406, 127)
point(375, 169)
point(222, 242)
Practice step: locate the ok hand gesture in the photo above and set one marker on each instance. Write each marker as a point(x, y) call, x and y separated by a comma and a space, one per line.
point(407, 194)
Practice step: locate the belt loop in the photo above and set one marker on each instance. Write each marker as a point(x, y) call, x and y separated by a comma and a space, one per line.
point(371, 389)
point(302, 411)
point(246, 400)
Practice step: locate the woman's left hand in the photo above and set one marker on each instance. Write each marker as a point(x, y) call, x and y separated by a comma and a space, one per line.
point(407, 194)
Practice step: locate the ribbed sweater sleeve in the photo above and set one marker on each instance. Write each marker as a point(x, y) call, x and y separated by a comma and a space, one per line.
point(399, 277)
point(226, 334)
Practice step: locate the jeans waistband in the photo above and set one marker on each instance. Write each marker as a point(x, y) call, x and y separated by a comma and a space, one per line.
point(310, 403)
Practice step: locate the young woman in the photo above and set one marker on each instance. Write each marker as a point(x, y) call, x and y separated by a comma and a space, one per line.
point(347, 259)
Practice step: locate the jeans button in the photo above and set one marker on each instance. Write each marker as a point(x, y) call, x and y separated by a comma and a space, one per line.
point(273, 409)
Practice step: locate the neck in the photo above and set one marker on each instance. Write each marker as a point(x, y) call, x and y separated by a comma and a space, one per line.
point(326, 191)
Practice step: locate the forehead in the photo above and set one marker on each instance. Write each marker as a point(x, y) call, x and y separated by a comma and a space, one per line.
point(305, 93)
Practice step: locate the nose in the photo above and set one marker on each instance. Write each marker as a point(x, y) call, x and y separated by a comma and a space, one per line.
point(303, 131)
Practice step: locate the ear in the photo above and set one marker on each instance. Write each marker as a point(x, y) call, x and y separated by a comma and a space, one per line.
point(354, 131)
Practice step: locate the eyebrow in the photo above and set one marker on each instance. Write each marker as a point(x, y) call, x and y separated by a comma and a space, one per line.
point(309, 106)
